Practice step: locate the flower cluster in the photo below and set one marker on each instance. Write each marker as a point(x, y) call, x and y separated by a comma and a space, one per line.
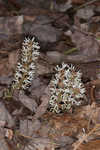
point(26, 66)
point(66, 88)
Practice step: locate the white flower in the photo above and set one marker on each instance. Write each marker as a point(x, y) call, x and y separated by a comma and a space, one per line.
point(66, 88)
point(18, 75)
point(26, 66)
point(32, 66)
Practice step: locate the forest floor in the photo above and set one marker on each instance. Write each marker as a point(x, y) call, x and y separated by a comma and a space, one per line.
point(67, 31)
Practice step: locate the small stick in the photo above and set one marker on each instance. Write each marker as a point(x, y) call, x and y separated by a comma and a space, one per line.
point(85, 136)
point(92, 90)
point(88, 3)
point(93, 83)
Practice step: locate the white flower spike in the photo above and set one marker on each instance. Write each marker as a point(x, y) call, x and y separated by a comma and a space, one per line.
point(26, 66)
point(66, 89)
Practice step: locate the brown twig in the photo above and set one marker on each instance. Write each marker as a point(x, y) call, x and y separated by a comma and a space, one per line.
point(92, 111)
point(92, 90)
point(84, 137)
point(93, 84)
point(86, 4)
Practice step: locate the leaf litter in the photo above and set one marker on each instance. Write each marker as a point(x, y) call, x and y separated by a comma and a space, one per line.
point(25, 121)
